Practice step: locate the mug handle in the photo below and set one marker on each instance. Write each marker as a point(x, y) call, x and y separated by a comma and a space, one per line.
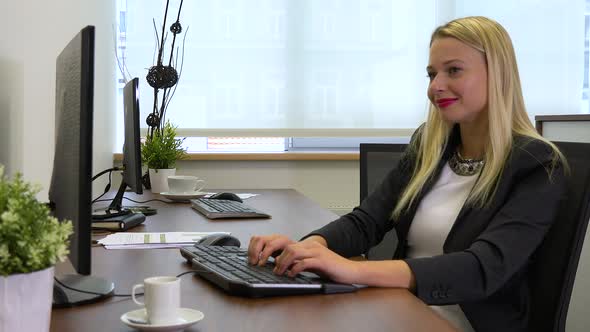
point(202, 183)
point(133, 294)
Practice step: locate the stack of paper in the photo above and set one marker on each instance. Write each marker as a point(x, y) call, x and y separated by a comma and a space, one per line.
point(126, 240)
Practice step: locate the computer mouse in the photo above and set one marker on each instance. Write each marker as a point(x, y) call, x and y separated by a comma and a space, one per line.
point(224, 240)
point(227, 196)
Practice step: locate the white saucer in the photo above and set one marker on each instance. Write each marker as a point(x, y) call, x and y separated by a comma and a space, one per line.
point(183, 196)
point(187, 317)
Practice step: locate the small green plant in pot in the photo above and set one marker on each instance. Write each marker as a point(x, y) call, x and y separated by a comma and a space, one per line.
point(160, 153)
point(31, 243)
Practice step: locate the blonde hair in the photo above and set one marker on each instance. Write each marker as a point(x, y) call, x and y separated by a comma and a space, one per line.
point(507, 115)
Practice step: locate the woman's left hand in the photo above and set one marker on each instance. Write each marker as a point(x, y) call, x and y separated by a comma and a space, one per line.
point(313, 257)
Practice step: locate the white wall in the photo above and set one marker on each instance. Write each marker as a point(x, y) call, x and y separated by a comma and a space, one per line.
point(12, 91)
point(33, 34)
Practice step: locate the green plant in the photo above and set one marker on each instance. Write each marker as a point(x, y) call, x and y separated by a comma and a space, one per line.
point(162, 149)
point(30, 238)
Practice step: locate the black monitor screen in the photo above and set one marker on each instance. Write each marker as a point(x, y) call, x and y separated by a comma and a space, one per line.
point(116, 212)
point(132, 147)
point(71, 185)
point(71, 182)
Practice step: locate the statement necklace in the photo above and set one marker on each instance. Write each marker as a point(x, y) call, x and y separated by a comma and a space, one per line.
point(465, 167)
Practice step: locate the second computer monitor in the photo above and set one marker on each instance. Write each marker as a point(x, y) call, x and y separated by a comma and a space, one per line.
point(131, 162)
point(132, 146)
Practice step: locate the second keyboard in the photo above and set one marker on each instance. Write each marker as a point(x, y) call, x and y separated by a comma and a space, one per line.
point(220, 208)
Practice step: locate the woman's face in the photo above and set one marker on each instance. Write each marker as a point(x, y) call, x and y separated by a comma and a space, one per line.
point(458, 81)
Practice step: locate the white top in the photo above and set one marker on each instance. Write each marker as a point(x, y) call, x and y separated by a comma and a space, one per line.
point(432, 223)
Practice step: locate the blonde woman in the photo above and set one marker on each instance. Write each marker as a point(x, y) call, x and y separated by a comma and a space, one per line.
point(471, 199)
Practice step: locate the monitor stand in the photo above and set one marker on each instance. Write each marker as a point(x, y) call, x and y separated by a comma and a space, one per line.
point(116, 212)
point(64, 297)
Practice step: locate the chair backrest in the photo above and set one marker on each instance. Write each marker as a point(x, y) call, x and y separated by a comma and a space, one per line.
point(554, 264)
point(376, 160)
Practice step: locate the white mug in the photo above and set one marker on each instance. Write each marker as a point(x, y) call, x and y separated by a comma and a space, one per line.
point(162, 299)
point(184, 184)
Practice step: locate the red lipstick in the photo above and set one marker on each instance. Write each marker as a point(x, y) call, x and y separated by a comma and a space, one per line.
point(445, 102)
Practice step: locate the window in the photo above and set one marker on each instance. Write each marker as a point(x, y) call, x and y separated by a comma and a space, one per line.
point(585, 90)
point(235, 144)
point(547, 38)
point(331, 73)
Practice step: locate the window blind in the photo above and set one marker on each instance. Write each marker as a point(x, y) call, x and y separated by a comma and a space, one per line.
point(298, 68)
point(294, 65)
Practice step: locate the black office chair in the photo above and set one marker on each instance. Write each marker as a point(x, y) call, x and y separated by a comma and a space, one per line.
point(376, 160)
point(554, 264)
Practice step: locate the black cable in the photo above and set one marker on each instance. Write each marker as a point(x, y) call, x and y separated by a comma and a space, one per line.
point(118, 295)
point(191, 271)
point(107, 187)
point(151, 200)
point(98, 198)
point(106, 171)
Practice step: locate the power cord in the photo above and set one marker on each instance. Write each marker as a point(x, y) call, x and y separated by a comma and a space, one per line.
point(108, 186)
point(107, 171)
point(149, 200)
point(119, 295)
point(134, 201)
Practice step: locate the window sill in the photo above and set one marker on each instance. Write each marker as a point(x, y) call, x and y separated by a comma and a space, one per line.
point(268, 156)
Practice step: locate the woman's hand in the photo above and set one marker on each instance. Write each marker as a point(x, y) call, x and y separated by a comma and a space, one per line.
point(312, 254)
point(262, 247)
point(314, 257)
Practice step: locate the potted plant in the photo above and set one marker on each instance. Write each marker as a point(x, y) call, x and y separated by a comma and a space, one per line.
point(31, 242)
point(159, 152)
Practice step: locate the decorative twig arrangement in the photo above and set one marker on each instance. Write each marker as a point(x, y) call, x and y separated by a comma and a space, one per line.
point(164, 77)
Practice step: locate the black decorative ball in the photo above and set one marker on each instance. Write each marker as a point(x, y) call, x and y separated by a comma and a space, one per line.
point(152, 120)
point(162, 77)
point(176, 28)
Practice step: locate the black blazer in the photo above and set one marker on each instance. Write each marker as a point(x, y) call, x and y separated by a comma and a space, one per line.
point(486, 254)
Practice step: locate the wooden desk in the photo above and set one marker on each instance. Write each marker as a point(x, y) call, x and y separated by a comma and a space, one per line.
point(293, 214)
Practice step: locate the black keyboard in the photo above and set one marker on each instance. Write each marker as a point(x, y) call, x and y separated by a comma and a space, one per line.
point(228, 268)
point(221, 208)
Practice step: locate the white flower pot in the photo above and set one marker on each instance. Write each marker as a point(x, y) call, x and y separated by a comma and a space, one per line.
point(159, 179)
point(25, 301)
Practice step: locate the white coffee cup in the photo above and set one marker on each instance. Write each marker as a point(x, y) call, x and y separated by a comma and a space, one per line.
point(162, 299)
point(184, 184)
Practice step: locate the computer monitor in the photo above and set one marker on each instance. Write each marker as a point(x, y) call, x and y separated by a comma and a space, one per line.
point(71, 181)
point(132, 145)
point(131, 176)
